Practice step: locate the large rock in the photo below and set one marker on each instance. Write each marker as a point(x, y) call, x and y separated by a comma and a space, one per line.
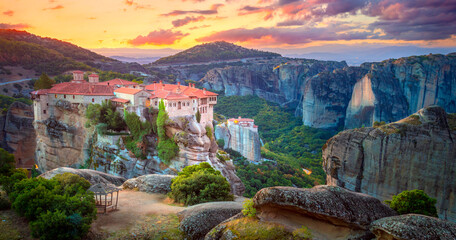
point(196, 221)
point(243, 139)
point(386, 91)
point(413, 226)
point(418, 152)
point(94, 177)
point(152, 183)
point(17, 134)
point(329, 212)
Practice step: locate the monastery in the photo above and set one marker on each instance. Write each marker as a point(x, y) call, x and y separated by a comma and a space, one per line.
point(133, 97)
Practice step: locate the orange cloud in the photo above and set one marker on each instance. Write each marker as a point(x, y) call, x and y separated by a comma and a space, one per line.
point(8, 13)
point(213, 10)
point(160, 37)
point(14, 26)
point(54, 8)
point(187, 20)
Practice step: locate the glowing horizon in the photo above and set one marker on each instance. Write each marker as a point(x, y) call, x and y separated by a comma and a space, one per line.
point(287, 24)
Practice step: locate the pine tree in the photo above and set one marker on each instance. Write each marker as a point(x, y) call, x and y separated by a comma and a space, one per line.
point(198, 116)
point(44, 82)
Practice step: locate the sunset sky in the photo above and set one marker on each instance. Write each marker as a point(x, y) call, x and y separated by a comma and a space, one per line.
point(286, 24)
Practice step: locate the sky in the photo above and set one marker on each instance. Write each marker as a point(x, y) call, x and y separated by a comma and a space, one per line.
point(260, 24)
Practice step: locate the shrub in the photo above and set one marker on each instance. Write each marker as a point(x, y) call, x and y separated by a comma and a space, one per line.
point(198, 184)
point(302, 233)
point(102, 128)
point(414, 201)
point(17, 175)
point(198, 116)
point(44, 82)
point(7, 162)
point(105, 113)
point(209, 132)
point(4, 201)
point(167, 148)
point(248, 209)
point(221, 143)
point(59, 208)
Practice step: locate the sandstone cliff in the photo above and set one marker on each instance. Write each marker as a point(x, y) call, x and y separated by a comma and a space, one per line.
point(418, 152)
point(245, 140)
point(17, 134)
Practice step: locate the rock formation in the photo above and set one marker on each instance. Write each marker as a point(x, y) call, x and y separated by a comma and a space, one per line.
point(417, 152)
point(196, 221)
point(94, 177)
point(328, 212)
point(413, 226)
point(245, 140)
point(151, 183)
point(17, 134)
point(333, 95)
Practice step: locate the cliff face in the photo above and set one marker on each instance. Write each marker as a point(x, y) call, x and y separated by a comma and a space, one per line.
point(277, 80)
point(17, 134)
point(242, 139)
point(417, 152)
point(386, 91)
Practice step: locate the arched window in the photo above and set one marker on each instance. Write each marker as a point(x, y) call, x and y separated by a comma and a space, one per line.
point(64, 96)
point(93, 99)
point(73, 96)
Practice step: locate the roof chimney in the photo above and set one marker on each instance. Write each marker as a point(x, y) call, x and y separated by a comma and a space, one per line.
point(161, 82)
point(93, 78)
point(204, 90)
point(78, 75)
point(155, 82)
point(92, 87)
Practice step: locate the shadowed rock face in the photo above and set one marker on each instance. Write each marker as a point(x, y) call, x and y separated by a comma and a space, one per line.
point(245, 140)
point(413, 226)
point(17, 134)
point(417, 152)
point(199, 219)
point(151, 183)
point(94, 177)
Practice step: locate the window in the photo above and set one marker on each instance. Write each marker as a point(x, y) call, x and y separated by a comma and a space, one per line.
point(55, 95)
point(179, 105)
point(156, 103)
point(47, 104)
point(73, 96)
point(64, 96)
point(44, 111)
point(93, 99)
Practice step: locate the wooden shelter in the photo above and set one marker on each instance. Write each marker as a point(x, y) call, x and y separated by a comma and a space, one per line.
point(104, 198)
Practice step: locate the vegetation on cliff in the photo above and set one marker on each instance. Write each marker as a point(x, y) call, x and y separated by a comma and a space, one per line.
point(199, 184)
point(413, 201)
point(6, 101)
point(215, 51)
point(105, 113)
point(289, 145)
point(44, 82)
point(167, 148)
point(137, 142)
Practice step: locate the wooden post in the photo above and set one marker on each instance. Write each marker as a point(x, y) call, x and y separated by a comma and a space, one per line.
point(117, 199)
point(106, 198)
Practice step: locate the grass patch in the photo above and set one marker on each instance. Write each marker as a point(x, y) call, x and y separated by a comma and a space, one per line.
point(412, 120)
point(249, 228)
point(13, 227)
point(153, 227)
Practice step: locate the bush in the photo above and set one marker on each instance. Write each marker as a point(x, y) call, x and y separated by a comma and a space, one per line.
point(414, 201)
point(167, 148)
point(59, 208)
point(7, 162)
point(209, 132)
point(102, 128)
point(198, 184)
point(17, 175)
point(302, 233)
point(221, 143)
point(248, 209)
point(105, 113)
point(4, 201)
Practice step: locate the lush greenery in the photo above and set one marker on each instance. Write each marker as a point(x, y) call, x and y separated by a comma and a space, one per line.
point(413, 201)
point(105, 113)
point(137, 142)
point(198, 184)
point(215, 51)
point(288, 145)
point(6, 101)
point(248, 209)
point(167, 148)
point(44, 82)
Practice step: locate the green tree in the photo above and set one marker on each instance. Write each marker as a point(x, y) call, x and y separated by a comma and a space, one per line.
point(44, 82)
point(198, 184)
point(413, 201)
point(198, 115)
point(7, 162)
point(105, 113)
point(167, 148)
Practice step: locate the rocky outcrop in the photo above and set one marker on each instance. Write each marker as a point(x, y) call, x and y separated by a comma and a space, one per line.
point(245, 140)
point(417, 152)
point(196, 221)
point(329, 212)
point(413, 226)
point(196, 147)
point(277, 80)
point(17, 134)
point(151, 183)
point(386, 91)
point(94, 177)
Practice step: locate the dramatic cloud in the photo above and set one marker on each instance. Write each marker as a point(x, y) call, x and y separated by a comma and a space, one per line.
point(160, 37)
point(213, 10)
point(414, 19)
point(8, 13)
point(187, 20)
point(133, 3)
point(14, 26)
point(287, 35)
point(54, 8)
point(197, 27)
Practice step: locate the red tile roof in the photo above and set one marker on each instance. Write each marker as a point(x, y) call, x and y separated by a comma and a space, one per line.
point(117, 81)
point(40, 92)
point(77, 71)
point(161, 91)
point(241, 119)
point(131, 91)
point(93, 75)
point(120, 100)
point(83, 88)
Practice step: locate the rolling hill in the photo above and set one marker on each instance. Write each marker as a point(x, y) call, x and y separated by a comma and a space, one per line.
point(215, 51)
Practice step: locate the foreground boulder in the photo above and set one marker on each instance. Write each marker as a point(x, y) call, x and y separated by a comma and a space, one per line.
point(413, 226)
point(151, 183)
point(417, 152)
point(94, 177)
point(196, 221)
point(329, 212)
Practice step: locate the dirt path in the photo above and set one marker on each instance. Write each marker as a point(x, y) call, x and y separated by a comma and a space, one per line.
point(133, 206)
